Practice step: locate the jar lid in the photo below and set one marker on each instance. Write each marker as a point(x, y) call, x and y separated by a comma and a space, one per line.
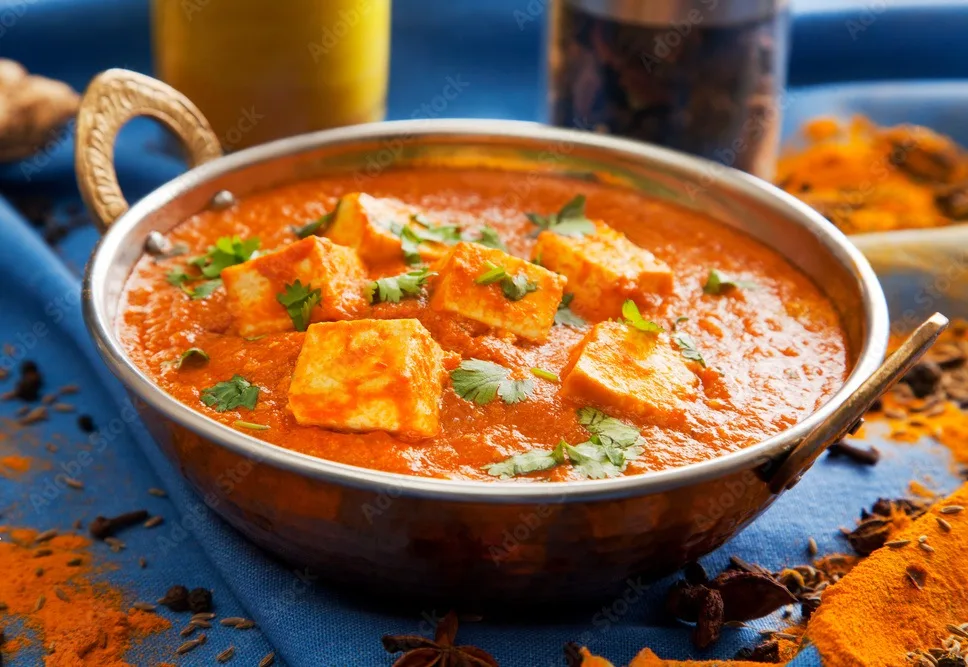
point(680, 12)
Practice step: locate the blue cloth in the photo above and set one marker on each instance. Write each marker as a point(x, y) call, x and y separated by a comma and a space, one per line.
point(307, 623)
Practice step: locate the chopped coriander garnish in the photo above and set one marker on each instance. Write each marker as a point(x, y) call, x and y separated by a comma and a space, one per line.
point(493, 274)
point(514, 288)
point(489, 238)
point(609, 429)
point(391, 289)
point(420, 231)
point(191, 355)
point(203, 289)
point(545, 375)
point(480, 381)
point(718, 282)
point(688, 349)
point(227, 251)
point(517, 287)
point(238, 423)
point(565, 316)
point(231, 394)
point(409, 242)
point(595, 461)
point(679, 320)
point(317, 226)
point(570, 220)
point(299, 301)
point(528, 462)
point(632, 317)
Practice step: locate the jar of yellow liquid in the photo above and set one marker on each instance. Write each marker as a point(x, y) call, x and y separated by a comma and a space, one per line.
point(264, 69)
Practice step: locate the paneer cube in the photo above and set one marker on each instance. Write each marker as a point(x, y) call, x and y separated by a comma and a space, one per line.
point(369, 375)
point(627, 372)
point(528, 313)
point(603, 269)
point(373, 226)
point(319, 263)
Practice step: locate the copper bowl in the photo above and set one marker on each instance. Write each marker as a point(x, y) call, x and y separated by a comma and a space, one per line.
point(436, 537)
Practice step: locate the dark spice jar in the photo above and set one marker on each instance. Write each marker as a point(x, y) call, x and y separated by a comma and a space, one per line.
point(700, 76)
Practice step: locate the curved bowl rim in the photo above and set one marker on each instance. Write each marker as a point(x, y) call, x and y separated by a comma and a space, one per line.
point(102, 329)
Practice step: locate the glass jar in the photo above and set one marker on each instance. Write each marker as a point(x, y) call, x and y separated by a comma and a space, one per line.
point(264, 69)
point(700, 76)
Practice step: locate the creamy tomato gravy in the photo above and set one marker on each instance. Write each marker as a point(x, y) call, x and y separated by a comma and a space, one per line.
point(775, 353)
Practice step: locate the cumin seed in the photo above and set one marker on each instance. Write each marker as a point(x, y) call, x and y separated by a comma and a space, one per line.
point(268, 660)
point(157, 492)
point(143, 606)
point(231, 621)
point(785, 635)
point(226, 655)
point(69, 389)
point(39, 572)
point(40, 603)
point(893, 413)
point(952, 509)
point(62, 407)
point(61, 594)
point(957, 630)
point(40, 553)
point(203, 616)
point(201, 623)
point(74, 562)
point(922, 539)
point(153, 521)
point(45, 536)
point(812, 547)
point(897, 544)
point(190, 645)
point(926, 547)
point(115, 544)
point(35, 415)
point(187, 630)
point(73, 483)
point(943, 525)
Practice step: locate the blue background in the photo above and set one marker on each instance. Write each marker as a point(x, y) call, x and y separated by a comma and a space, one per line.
point(482, 43)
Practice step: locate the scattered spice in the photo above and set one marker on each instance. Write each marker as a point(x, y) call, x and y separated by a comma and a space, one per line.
point(897, 600)
point(86, 423)
point(104, 527)
point(268, 660)
point(28, 384)
point(419, 651)
point(869, 179)
point(863, 455)
point(160, 493)
point(226, 655)
point(885, 518)
point(739, 593)
point(176, 598)
point(200, 600)
point(84, 622)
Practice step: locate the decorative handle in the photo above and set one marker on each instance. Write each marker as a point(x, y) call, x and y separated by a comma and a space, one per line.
point(850, 411)
point(112, 99)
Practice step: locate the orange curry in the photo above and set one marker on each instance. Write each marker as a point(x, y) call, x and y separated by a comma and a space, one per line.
point(427, 327)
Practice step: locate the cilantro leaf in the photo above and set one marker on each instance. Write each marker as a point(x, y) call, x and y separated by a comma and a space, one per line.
point(489, 238)
point(718, 282)
point(528, 462)
point(177, 277)
point(632, 317)
point(688, 349)
point(192, 354)
point(231, 394)
point(570, 220)
point(565, 316)
point(609, 430)
point(392, 288)
point(227, 251)
point(481, 381)
point(514, 288)
point(430, 233)
point(591, 460)
point(203, 289)
point(299, 301)
point(409, 243)
point(317, 226)
point(518, 287)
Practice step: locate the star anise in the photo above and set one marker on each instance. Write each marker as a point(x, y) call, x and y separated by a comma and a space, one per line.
point(440, 651)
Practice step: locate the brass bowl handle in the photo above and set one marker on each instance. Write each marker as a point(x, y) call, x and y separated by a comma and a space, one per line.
point(849, 413)
point(112, 99)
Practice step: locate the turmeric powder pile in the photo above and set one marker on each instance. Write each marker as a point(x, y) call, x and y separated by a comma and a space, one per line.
point(48, 599)
point(869, 179)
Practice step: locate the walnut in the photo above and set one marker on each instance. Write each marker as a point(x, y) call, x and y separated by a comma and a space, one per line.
point(32, 109)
